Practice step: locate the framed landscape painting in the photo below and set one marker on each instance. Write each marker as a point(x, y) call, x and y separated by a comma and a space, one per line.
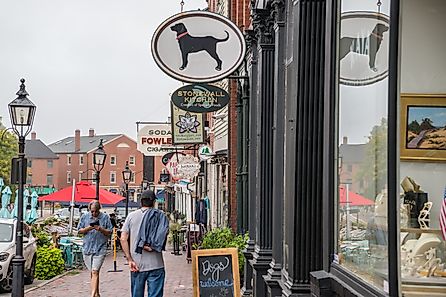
point(423, 127)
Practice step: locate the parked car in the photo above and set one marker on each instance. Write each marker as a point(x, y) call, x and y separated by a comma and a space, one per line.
point(7, 252)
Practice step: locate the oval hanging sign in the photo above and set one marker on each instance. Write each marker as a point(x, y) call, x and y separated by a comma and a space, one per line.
point(200, 98)
point(363, 48)
point(198, 46)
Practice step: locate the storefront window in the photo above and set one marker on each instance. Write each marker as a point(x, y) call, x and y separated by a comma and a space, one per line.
point(363, 95)
point(423, 147)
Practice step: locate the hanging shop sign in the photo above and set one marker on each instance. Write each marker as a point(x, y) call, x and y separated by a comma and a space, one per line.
point(198, 46)
point(188, 166)
point(200, 98)
point(187, 127)
point(183, 167)
point(363, 48)
point(164, 177)
point(155, 139)
point(205, 152)
point(165, 159)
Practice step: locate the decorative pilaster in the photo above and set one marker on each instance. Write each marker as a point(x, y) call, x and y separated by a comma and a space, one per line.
point(304, 148)
point(263, 27)
point(252, 167)
point(274, 276)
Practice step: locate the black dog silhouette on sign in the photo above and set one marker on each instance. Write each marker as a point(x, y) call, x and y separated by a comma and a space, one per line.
point(364, 45)
point(192, 44)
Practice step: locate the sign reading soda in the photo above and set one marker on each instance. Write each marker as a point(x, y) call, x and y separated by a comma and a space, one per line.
point(155, 139)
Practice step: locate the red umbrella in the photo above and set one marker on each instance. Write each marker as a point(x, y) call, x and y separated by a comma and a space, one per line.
point(353, 198)
point(84, 193)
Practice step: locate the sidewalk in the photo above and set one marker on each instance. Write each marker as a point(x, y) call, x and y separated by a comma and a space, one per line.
point(112, 284)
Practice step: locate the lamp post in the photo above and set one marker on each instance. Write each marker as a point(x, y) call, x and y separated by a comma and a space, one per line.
point(126, 176)
point(22, 112)
point(99, 157)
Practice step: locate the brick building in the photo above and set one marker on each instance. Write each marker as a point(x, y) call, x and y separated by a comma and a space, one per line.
point(75, 161)
point(42, 164)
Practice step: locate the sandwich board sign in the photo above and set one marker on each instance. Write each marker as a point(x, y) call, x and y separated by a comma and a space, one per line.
point(200, 98)
point(215, 272)
point(198, 46)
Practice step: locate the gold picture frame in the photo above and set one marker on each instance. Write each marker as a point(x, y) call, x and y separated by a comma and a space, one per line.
point(423, 127)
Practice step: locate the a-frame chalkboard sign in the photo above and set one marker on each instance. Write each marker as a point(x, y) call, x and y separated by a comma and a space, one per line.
point(215, 273)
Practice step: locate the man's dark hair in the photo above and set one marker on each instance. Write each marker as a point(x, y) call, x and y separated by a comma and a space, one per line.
point(148, 198)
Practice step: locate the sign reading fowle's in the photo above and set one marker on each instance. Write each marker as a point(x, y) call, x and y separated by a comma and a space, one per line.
point(200, 98)
point(198, 46)
point(155, 139)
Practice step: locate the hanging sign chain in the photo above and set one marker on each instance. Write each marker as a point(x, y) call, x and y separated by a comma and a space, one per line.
point(182, 4)
point(379, 6)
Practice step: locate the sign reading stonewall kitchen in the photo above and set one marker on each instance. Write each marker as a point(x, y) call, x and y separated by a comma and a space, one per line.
point(198, 46)
point(200, 98)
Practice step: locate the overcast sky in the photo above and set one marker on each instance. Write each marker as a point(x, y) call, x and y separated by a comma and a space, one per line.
point(87, 63)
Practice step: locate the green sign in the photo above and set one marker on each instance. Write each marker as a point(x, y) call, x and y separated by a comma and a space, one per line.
point(200, 98)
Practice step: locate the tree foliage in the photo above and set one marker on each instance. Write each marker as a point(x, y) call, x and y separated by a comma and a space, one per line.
point(8, 150)
point(373, 170)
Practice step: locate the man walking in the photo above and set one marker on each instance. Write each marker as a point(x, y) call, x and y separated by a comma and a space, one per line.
point(96, 227)
point(147, 230)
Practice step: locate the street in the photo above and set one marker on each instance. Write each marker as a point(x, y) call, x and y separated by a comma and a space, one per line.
point(178, 280)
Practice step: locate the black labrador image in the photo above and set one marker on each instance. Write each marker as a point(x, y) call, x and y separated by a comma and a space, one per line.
point(364, 45)
point(193, 44)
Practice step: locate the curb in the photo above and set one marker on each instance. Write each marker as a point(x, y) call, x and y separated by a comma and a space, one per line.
point(48, 281)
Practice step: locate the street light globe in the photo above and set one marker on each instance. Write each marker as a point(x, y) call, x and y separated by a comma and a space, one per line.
point(126, 173)
point(21, 111)
point(99, 157)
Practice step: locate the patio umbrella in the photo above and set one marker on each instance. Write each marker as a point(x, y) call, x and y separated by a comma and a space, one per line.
point(33, 215)
point(353, 198)
point(84, 192)
point(6, 197)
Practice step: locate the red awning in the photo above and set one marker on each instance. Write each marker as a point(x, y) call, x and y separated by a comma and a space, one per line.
point(83, 194)
point(353, 198)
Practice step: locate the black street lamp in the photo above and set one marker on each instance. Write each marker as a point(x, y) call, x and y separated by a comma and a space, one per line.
point(22, 112)
point(127, 176)
point(99, 157)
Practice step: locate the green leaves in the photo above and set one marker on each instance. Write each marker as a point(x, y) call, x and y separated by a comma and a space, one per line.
point(49, 263)
point(225, 238)
point(8, 150)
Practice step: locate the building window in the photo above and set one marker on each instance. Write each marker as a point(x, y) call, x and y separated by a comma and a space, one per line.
point(112, 160)
point(113, 177)
point(132, 178)
point(49, 179)
point(30, 163)
point(49, 163)
point(68, 177)
point(81, 159)
point(362, 231)
point(68, 159)
point(422, 148)
point(93, 178)
point(132, 160)
point(80, 175)
point(29, 179)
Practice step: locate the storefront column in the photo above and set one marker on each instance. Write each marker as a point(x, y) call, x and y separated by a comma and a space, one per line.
point(274, 275)
point(304, 148)
point(262, 23)
point(252, 178)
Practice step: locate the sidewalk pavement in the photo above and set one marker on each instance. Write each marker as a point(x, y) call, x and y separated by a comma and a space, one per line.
point(113, 284)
